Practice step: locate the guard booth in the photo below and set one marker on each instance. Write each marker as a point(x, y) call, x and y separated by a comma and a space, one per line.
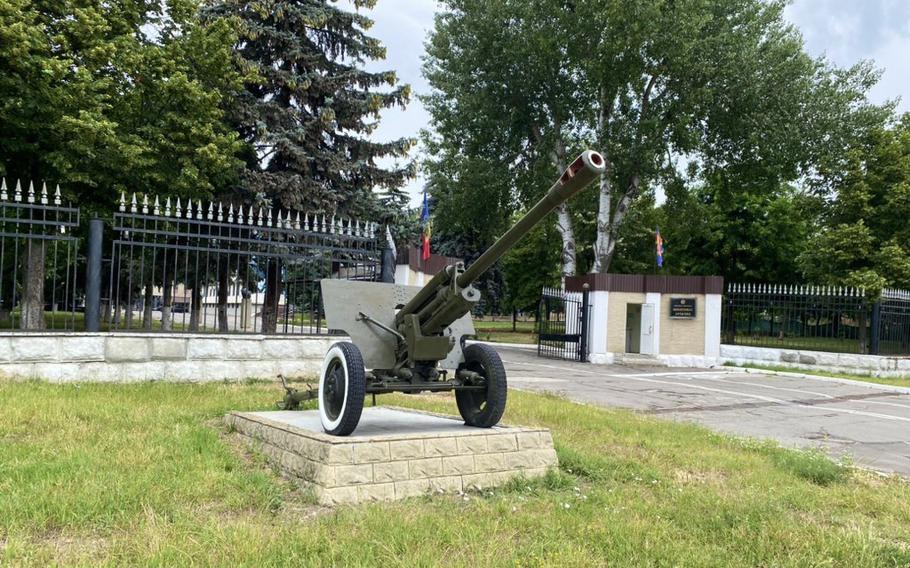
point(674, 320)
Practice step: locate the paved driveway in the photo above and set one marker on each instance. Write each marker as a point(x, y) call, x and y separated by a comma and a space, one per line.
point(868, 422)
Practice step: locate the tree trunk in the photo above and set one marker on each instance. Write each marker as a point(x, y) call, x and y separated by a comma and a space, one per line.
point(605, 247)
point(167, 304)
point(223, 282)
point(148, 301)
point(272, 297)
point(195, 307)
point(32, 316)
point(567, 233)
point(563, 218)
point(604, 243)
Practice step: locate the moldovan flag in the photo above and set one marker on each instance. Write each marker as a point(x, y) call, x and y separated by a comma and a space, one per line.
point(659, 244)
point(425, 221)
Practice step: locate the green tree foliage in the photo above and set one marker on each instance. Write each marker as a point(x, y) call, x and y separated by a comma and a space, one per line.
point(521, 86)
point(864, 238)
point(310, 110)
point(112, 96)
point(104, 97)
point(741, 232)
point(532, 264)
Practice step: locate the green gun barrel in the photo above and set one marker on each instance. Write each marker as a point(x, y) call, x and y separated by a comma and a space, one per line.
point(585, 169)
point(442, 301)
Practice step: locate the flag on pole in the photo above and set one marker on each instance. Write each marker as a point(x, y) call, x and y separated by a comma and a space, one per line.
point(659, 244)
point(425, 221)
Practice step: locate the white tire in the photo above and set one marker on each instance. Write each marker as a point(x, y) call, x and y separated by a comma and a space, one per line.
point(342, 389)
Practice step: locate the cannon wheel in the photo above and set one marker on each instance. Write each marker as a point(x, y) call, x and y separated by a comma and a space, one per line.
point(342, 388)
point(483, 408)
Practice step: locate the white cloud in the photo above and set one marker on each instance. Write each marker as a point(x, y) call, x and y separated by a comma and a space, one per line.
point(847, 31)
point(402, 27)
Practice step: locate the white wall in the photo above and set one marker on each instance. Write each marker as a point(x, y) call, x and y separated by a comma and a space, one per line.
point(126, 357)
point(713, 307)
point(597, 327)
point(875, 365)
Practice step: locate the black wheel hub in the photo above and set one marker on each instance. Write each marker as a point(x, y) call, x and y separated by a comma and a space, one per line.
point(334, 391)
point(478, 397)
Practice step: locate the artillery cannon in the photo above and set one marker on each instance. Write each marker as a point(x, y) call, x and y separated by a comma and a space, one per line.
point(411, 339)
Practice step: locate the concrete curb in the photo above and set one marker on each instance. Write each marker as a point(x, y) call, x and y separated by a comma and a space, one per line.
point(867, 384)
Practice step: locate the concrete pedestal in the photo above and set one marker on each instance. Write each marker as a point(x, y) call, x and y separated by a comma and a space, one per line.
point(394, 453)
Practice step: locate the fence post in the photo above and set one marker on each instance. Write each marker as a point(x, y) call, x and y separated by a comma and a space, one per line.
point(93, 276)
point(387, 259)
point(876, 327)
point(387, 267)
point(583, 347)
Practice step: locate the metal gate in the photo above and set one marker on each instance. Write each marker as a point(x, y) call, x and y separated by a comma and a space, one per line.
point(562, 325)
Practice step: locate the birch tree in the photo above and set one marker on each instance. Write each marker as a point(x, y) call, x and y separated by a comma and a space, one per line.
point(652, 84)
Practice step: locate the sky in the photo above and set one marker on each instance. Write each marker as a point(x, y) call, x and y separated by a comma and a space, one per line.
point(844, 31)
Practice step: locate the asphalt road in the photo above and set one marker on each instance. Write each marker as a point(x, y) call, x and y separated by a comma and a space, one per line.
point(868, 422)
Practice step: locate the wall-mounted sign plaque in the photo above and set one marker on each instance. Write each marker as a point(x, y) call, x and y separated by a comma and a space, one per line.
point(682, 308)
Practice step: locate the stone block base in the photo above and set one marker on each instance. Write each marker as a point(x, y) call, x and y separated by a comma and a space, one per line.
point(394, 453)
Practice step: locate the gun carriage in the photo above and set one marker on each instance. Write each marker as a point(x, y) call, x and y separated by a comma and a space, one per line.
point(412, 339)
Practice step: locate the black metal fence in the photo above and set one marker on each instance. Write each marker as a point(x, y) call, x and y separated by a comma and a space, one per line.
point(891, 319)
point(817, 318)
point(190, 267)
point(39, 287)
point(211, 268)
point(562, 325)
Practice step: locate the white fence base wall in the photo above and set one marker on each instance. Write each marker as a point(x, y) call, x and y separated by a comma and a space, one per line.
point(875, 365)
point(128, 357)
point(696, 361)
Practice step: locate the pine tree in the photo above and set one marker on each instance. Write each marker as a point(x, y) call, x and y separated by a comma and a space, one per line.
point(313, 106)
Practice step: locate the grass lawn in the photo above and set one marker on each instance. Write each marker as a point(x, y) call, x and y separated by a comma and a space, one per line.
point(895, 381)
point(140, 474)
point(501, 331)
point(69, 321)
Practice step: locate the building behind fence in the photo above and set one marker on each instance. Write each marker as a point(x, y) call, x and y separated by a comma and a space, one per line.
point(173, 266)
point(817, 318)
